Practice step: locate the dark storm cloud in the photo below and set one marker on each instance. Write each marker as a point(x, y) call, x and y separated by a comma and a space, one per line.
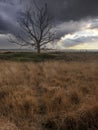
point(69, 16)
point(64, 28)
point(6, 26)
point(73, 9)
point(8, 17)
point(61, 10)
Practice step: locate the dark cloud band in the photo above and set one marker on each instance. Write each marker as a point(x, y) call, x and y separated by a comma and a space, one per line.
point(67, 14)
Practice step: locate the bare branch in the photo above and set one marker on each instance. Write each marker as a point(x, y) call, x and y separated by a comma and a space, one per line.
point(36, 26)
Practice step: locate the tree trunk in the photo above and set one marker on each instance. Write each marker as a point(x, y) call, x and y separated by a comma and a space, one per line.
point(38, 48)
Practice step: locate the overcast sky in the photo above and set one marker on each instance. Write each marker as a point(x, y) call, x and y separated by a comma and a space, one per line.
point(76, 22)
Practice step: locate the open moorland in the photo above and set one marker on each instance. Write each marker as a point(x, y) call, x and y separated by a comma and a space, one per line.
point(53, 91)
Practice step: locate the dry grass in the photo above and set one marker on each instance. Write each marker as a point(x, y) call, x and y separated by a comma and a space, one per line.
point(49, 95)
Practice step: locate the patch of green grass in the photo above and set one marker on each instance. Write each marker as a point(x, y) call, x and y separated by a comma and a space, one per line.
point(26, 56)
point(66, 56)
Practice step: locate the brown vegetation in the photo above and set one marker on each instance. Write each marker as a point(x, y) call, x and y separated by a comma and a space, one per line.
point(49, 95)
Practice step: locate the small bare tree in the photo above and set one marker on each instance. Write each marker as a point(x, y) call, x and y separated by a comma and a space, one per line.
point(36, 28)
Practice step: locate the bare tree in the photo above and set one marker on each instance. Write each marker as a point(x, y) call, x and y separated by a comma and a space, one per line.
point(37, 28)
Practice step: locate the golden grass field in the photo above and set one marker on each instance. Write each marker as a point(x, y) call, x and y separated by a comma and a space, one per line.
point(50, 95)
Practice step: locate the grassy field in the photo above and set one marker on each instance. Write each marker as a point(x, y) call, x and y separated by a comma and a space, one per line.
point(60, 92)
point(66, 56)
